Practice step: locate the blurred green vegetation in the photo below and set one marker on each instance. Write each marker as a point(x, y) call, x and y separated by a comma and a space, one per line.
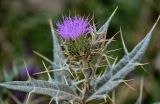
point(24, 28)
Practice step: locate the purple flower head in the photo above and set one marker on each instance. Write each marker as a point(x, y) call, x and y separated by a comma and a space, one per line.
point(72, 28)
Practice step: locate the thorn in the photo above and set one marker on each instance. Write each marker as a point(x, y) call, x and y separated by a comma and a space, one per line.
point(49, 76)
point(43, 57)
point(114, 50)
point(142, 65)
point(40, 72)
point(143, 68)
point(107, 60)
point(109, 98)
point(114, 63)
point(141, 87)
point(57, 98)
point(71, 73)
point(71, 102)
point(128, 80)
point(68, 69)
point(132, 88)
point(83, 73)
point(63, 61)
point(105, 100)
point(113, 97)
point(103, 41)
point(81, 91)
point(100, 74)
point(66, 81)
point(76, 75)
point(51, 100)
point(124, 46)
point(111, 57)
point(156, 22)
point(27, 99)
point(116, 9)
point(93, 33)
point(29, 77)
point(61, 69)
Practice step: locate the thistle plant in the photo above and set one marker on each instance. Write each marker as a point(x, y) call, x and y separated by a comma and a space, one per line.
point(82, 69)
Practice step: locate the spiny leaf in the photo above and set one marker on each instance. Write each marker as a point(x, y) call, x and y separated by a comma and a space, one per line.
point(59, 58)
point(53, 89)
point(104, 28)
point(106, 76)
point(111, 79)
